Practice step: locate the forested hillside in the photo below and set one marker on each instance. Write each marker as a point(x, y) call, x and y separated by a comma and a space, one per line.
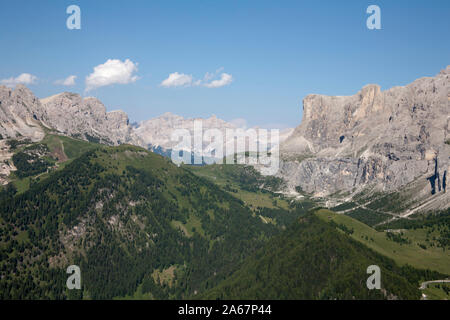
point(140, 227)
point(132, 221)
point(313, 259)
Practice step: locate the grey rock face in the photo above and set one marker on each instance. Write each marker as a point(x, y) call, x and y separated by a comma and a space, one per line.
point(21, 113)
point(385, 138)
point(87, 118)
point(24, 115)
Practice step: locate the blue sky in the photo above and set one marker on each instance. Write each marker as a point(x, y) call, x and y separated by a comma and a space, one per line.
point(276, 52)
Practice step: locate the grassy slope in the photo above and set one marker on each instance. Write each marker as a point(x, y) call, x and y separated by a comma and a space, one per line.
point(432, 258)
point(72, 147)
point(227, 175)
point(436, 291)
point(64, 148)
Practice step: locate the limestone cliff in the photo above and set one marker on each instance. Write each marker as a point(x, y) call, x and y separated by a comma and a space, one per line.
point(21, 113)
point(87, 118)
point(383, 138)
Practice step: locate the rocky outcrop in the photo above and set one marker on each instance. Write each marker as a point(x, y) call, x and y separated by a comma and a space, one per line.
point(21, 114)
point(87, 118)
point(383, 138)
point(24, 117)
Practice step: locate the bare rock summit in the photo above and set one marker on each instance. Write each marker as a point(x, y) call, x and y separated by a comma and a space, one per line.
point(387, 139)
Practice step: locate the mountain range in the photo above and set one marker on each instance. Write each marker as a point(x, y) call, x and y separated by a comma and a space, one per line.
point(24, 116)
point(374, 141)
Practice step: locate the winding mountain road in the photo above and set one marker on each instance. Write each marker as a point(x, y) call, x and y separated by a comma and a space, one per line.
point(426, 283)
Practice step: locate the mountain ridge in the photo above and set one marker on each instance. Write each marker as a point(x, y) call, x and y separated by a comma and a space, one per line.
point(86, 118)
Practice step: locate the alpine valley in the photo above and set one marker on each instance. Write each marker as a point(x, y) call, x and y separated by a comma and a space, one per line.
point(363, 181)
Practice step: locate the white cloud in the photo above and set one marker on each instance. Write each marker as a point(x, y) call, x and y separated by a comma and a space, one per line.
point(225, 79)
point(111, 72)
point(209, 76)
point(24, 78)
point(69, 81)
point(177, 80)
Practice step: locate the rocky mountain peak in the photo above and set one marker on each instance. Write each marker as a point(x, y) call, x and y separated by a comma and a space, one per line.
point(446, 70)
point(20, 113)
point(87, 118)
point(23, 114)
point(373, 137)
